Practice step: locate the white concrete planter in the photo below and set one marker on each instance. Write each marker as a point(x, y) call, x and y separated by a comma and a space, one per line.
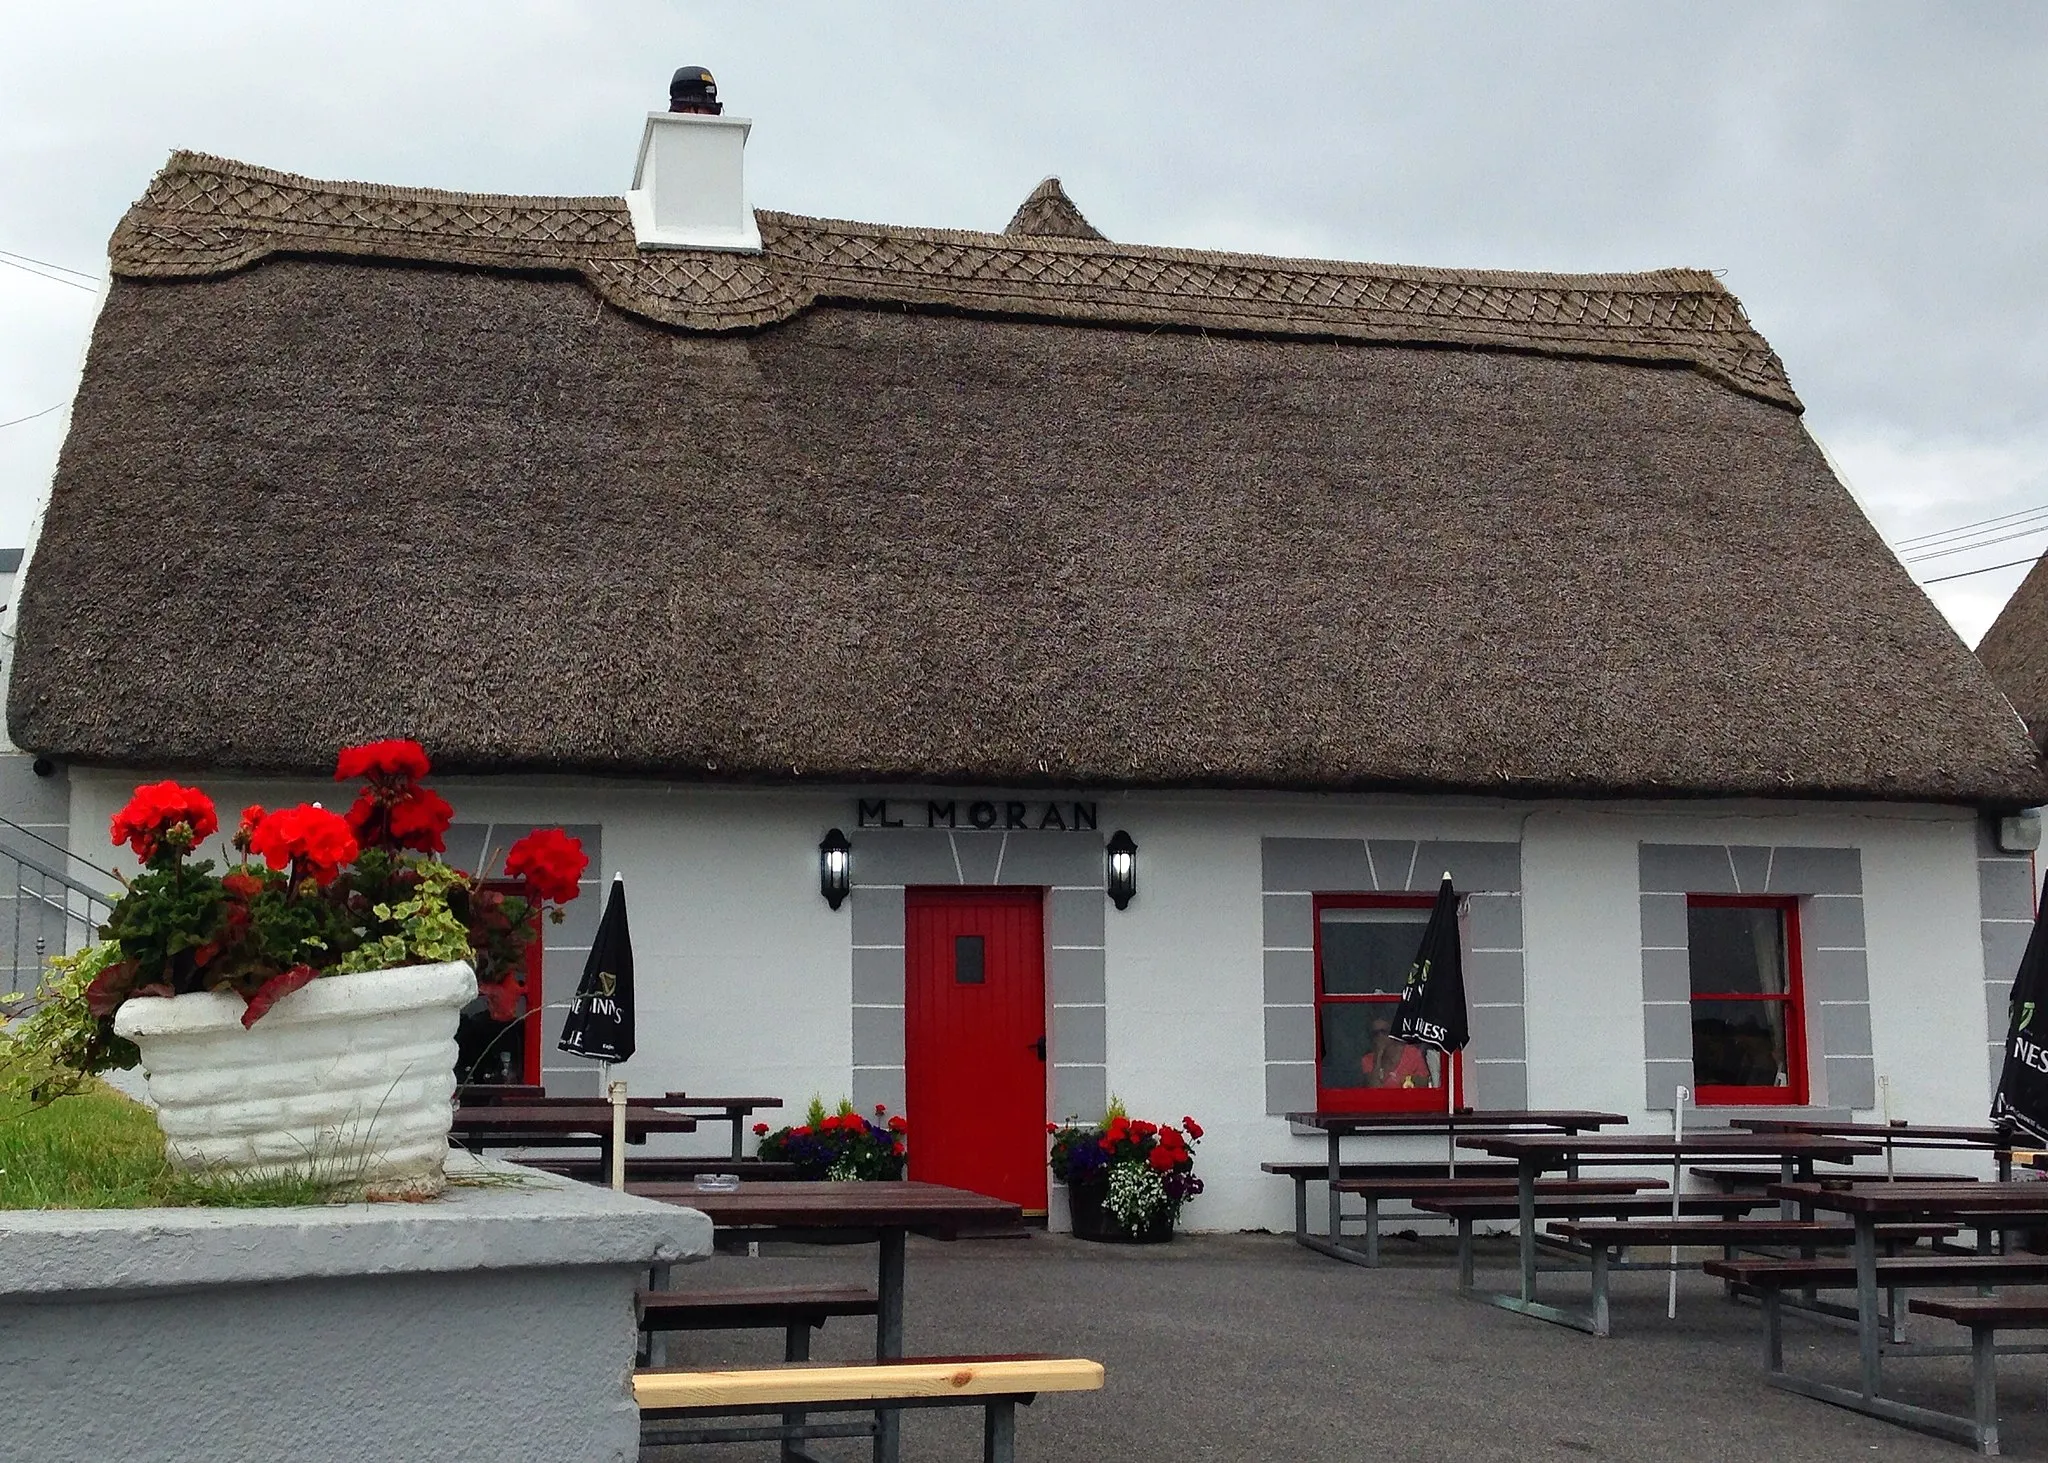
point(350, 1077)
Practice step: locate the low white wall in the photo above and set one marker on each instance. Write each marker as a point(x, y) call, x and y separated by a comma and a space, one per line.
point(744, 974)
point(495, 1325)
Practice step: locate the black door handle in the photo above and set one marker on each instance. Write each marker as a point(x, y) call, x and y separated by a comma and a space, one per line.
point(1037, 1046)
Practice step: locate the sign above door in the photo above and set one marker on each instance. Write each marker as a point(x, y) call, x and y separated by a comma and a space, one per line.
point(982, 813)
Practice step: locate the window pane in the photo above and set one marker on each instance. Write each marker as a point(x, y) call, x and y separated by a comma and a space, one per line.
point(1736, 951)
point(1368, 951)
point(1358, 1052)
point(1739, 1043)
point(967, 959)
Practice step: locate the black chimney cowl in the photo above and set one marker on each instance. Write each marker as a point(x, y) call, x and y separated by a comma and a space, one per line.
point(691, 89)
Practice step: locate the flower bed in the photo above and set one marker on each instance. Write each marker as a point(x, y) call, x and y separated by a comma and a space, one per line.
point(841, 1145)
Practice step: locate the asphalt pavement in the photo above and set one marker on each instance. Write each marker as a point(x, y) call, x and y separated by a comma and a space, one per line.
point(1221, 1348)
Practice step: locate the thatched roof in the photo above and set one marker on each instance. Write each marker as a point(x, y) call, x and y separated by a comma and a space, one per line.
point(886, 503)
point(2015, 649)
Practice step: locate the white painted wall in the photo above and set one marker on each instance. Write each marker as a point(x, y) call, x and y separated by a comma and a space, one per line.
point(744, 973)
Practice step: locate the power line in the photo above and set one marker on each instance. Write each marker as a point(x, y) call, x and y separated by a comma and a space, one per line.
point(1988, 568)
point(52, 278)
point(1921, 540)
point(33, 415)
point(1971, 548)
point(60, 268)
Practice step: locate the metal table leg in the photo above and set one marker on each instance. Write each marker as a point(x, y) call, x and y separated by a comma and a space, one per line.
point(1867, 1338)
point(889, 1338)
point(1336, 1199)
point(1525, 1179)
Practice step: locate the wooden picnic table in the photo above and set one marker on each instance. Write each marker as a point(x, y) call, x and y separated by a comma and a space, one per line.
point(734, 1110)
point(1535, 1153)
point(1337, 1126)
point(1896, 1135)
point(883, 1213)
point(565, 1124)
point(2018, 1204)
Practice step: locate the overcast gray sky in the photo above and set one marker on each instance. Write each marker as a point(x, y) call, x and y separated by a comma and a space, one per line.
point(1867, 176)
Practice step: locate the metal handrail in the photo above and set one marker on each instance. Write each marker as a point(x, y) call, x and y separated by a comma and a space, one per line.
point(56, 847)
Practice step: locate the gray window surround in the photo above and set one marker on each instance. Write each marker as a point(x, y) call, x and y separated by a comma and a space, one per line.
point(1828, 883)
point(1294, 870)
point(2005, 918)
point(1068, 866)
point(564, 946)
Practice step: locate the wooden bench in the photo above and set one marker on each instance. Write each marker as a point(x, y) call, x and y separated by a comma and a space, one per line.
point(1606, 1241)
point(1468, 1211)
point(1375, 1185)
point(665, 1170)
point(1984, 1317)
point(673, 1402)
point(796, 1310)
point(1731, 1180)
point(1895, 1275)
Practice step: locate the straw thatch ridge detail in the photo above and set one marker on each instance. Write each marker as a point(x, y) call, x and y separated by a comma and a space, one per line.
point(2015, 650)
point(205, 215)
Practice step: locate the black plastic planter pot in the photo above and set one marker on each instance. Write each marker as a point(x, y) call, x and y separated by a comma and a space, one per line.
point(1094, 1222)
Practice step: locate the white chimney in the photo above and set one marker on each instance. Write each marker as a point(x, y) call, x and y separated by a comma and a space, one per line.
point(689, 187)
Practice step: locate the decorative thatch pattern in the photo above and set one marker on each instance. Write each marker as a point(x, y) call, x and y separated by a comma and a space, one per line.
point(1047, 213)
point(320, 500)
point(205, 215)
point(2015, 650)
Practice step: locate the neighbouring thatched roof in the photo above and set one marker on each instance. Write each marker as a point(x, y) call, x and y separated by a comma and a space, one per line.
point(912, 524)
point(2015, 650)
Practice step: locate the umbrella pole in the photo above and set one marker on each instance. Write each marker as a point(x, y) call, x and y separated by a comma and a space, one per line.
point(1677, 1138)
point(1451, 1108)
point(616, 1091)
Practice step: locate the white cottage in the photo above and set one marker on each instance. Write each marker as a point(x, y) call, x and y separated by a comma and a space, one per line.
point(1312, 579)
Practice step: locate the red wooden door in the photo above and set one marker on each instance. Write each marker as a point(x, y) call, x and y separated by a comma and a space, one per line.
point(974, 1040)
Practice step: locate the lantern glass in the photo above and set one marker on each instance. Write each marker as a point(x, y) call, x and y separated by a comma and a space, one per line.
point(835, 868)
point(1123, 868)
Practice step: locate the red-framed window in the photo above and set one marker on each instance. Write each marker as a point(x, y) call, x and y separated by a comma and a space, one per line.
point(1364, 945)
point(1748, 1001)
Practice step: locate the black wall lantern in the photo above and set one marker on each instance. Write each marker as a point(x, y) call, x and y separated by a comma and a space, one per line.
point(1123, 868)
point(835, 868)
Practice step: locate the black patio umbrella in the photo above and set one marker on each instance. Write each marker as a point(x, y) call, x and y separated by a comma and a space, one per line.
point(1432, 1009)
point(600, 1023)
point(2022, 1097)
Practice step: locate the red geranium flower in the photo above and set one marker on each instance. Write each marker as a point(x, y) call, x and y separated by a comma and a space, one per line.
point(1194, 1128)
point(320, 843)
point(395, 759)
point(760, 1130)
point(550, 862)
point(1161, 1159)
point(158, 809)
point(412, 817)
point(897, 1125)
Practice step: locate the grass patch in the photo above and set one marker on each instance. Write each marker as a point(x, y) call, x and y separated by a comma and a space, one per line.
point(100, 1150)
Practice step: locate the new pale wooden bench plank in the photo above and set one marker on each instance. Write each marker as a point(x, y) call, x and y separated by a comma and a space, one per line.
point(671, 1401)
point(865, 1382)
